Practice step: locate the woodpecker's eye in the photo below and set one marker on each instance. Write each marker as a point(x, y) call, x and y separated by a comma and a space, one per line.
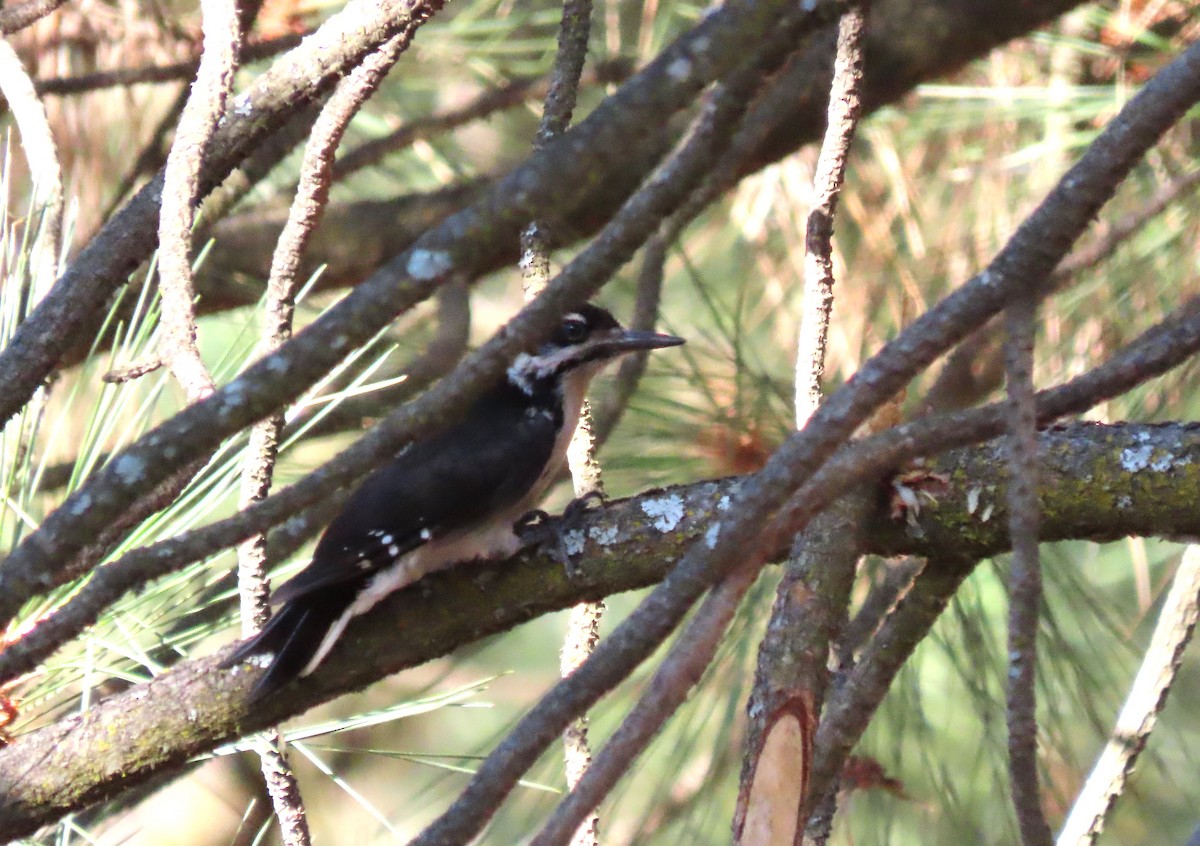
point(574, 330)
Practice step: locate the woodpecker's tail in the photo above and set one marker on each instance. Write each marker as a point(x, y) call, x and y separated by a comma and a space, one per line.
point(289, 641)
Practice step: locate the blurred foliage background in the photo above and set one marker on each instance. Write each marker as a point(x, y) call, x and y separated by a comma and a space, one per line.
point(936, 184)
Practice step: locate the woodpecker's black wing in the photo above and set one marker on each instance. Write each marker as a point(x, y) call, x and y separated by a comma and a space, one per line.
point(446, 484)
point(449, 483)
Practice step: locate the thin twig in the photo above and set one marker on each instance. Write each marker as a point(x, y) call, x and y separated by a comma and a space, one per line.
point(37, 142)
point(1146, 700)
point(845, 106)
point(283, 789)
point(179, 71)
point(1025, 579)
point(814, 592)
point(181, 190)
point(583, 623)
point(488, 102)
point(880, 602)
point(852, 703)
point(674, 679)
point(282, 285)
point(18, 17)
point(645, 317)
point(1125, 227)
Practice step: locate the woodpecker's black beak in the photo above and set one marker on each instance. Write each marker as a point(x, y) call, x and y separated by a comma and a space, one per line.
point(633, 340)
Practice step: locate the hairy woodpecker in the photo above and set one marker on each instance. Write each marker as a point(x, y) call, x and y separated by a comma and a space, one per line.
point(450, 498)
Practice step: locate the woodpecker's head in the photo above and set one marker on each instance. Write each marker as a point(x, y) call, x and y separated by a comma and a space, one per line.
point(587, 339)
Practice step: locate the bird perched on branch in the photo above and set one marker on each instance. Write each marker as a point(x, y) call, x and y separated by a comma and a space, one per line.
point(452, 497)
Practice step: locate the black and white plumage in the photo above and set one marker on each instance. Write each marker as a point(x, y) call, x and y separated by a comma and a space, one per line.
point(450, 498)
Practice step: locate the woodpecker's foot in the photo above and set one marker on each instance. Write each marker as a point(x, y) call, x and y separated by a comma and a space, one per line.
point(537, 528)
point(913, 489)
point(582, 504)
point(528, 525)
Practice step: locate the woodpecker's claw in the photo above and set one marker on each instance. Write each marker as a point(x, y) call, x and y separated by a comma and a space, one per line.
point(582, 504)
point(528, 522)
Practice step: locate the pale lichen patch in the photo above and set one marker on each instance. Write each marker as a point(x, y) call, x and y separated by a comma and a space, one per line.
point(130, 469)
point(1136, 459)
point(605, 535)
point(81, 504)
point(1169, 461)
point(711, 534)
point(679, 69)
point(424, 265)
point(666, 512)
point(573, 541)
point(242, 106)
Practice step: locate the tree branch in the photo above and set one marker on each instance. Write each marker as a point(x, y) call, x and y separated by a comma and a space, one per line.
point(1025, 579)
point(1147, 698)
